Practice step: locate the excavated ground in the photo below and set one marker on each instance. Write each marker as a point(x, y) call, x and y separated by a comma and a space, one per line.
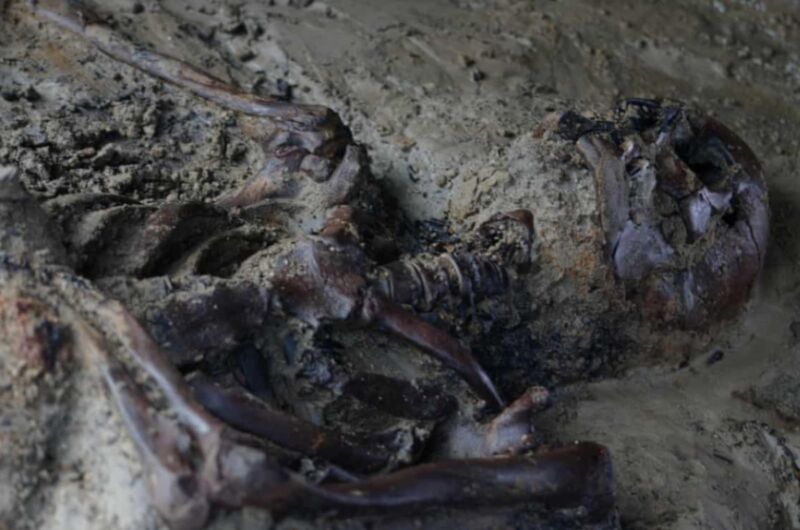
point(446, 96)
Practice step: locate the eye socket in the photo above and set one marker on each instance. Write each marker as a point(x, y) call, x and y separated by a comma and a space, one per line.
point(708, 157)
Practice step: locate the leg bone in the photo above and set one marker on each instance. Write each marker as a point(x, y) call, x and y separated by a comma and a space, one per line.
point(174, 487)
point(252, 416)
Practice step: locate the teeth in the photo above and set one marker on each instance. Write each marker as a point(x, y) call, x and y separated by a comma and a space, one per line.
point(696, 212)
point(720, 200)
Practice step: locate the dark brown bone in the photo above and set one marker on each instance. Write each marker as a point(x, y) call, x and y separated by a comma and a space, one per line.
point(309, 138)
point(234, 474)
point(511, 431)
point(721, 197)
point(577, 476)
point(172, 230)
point(195, 318)
point(294, 286)
point(351, 226)
point(718, 284)
point(320, 279)
point(111, 235)
point(182, 490)
point(337, 189)
point(133, 239)
point(422, 281)
point(174, 486)
point(439, 344)
point(148, 242)
point(255, 417)
point(75, 16)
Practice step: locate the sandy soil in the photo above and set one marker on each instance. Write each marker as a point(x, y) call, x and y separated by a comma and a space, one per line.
point(445, 95)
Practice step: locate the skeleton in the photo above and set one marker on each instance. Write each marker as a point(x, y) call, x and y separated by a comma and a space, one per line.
point(683, 206)
point(203, 446)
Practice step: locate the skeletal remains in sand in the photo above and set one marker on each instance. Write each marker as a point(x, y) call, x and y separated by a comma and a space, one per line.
point(204, 446)
point(683, 207)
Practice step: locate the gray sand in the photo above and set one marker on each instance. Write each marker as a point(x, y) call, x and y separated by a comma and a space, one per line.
point(446, 96)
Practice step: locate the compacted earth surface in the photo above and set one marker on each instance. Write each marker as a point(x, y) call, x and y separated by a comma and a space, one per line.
point(448, 98)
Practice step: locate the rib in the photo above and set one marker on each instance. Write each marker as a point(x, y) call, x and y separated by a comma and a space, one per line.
point(148, 355)
point(436, 342)
point(235, 474)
